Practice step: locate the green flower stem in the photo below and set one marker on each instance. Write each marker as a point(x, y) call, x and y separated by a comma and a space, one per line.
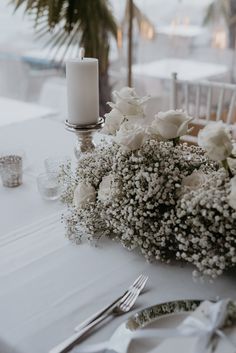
point(226, 166)
point(232, 156)
point(175, 141)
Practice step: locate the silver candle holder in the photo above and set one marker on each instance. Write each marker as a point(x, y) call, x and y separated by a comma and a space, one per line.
point(84, 134)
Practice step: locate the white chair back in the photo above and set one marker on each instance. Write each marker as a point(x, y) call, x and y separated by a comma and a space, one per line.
point(206, 101)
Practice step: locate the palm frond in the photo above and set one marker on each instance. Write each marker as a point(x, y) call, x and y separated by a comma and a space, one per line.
point(217, 9)
point(89, 21)
point(210, 14)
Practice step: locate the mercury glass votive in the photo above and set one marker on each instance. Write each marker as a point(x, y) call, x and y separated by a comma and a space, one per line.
point(49, 186)
point(11, 170)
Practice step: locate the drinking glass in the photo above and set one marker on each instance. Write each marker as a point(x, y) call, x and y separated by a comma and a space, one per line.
point(54, 164)
point(49, 186)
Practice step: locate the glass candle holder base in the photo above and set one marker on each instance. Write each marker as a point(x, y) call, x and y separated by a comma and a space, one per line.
point(84, 143)
point(84, 134)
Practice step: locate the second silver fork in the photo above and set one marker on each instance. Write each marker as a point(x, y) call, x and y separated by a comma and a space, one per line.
point(123, 306)
point(111, 306)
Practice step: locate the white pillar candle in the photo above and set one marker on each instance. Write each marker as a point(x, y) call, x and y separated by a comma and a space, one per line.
point(82, 90)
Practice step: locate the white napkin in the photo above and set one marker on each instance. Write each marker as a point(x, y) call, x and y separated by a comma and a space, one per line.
point(205, 325)
point(200, 332)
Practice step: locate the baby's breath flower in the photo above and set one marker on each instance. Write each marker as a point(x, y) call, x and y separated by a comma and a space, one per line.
point(140, 201)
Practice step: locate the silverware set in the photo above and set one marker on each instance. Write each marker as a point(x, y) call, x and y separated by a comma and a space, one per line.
point(120, 306)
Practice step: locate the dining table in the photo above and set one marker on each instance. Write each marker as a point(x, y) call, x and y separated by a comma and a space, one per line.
point(178, 30)
point(48, 284)
point(17, 111)
point(187, 69)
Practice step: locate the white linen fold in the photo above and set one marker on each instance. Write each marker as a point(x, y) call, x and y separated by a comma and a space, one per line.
point(29, 229)
point(49, 285)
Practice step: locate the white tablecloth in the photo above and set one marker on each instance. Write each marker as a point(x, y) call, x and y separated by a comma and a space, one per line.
point(47, 284)
point(14, 111)
point(39, 139)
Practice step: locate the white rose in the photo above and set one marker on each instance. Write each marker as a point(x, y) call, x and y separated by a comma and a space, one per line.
point(232, 161)
point(130, 136)
point(153, 132)
point(194, 181)
point(128, 102)
point(232, 195)
point(113, 121)
point(215, 140)
point(105, 191)
point(83, 194)
point(170, 125)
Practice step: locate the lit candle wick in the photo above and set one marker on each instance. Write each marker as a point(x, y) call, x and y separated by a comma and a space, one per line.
point(81, 53)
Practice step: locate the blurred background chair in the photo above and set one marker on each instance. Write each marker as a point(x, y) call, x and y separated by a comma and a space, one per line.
point(206, 101)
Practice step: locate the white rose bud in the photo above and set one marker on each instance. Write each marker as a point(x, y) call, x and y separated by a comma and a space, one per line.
point(105, 191)
point(128, 102)
point(232, 195)
point(130, 136)
point(194, 181)
point(83, 194)
point(216, 141)
point(170, 125)
point(113, 121)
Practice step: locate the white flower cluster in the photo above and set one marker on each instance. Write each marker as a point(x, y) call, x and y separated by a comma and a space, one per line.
point(128, 107)
point(204, 225)
point(126, 121)
point(216, 140)
point(170, 125)
point(169, 199)
point(128, 195)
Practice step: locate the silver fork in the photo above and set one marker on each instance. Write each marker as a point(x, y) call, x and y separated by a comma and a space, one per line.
point(110, 306)
point(122, 307)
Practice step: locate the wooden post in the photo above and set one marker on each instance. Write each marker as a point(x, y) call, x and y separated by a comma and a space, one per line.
point(173, 91)
point(130, 41)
